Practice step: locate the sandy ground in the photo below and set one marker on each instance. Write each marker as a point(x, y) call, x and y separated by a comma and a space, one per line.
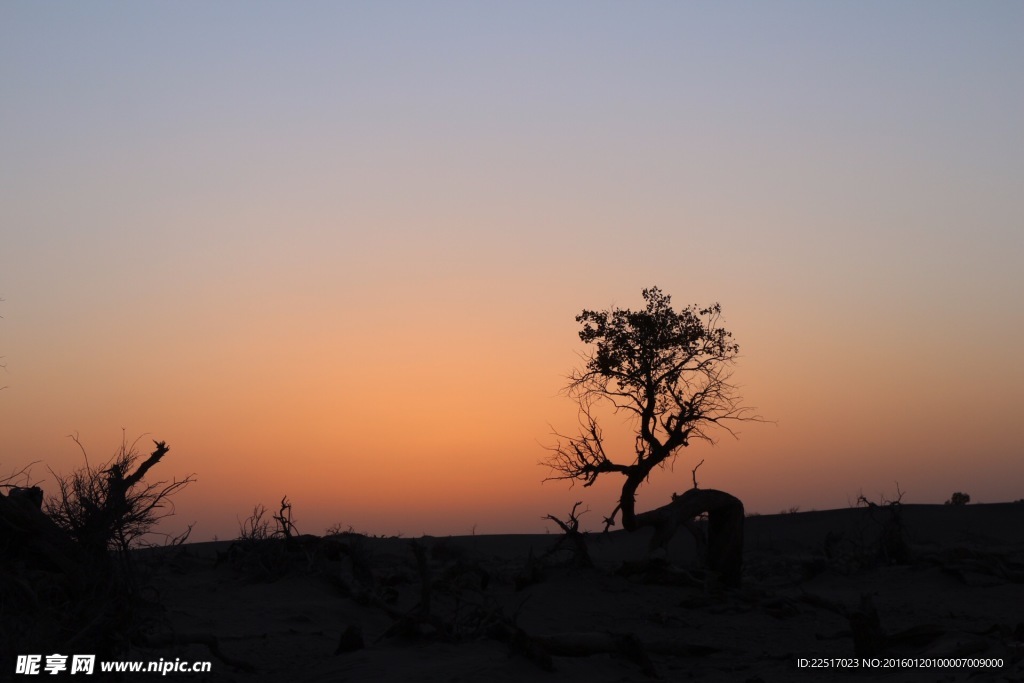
point(957, 593)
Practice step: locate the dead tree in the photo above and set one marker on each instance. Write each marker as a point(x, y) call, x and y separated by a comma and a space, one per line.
point(574, 537)
point(60, 585)
point(109, 507)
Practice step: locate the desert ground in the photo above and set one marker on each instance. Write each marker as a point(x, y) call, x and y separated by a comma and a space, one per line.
point(931, 582)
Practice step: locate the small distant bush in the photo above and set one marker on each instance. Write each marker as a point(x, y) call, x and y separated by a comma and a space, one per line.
point(959, 498)
point(255, 527)
point(892, 545)
point(338, 529)
point(268, 549)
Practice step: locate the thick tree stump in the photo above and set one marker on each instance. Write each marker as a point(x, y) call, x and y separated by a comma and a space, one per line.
point(725, 528)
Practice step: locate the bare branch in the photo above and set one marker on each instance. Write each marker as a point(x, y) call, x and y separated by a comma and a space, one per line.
point(582, 457)
point(24, 475)
point(572, 526)
point(693, 472)
point(609, 521)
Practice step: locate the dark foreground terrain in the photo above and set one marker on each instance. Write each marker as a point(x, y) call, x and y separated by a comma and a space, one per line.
point(892, 584)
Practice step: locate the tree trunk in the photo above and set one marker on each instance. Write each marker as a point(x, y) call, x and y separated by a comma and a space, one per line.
point(627, 501)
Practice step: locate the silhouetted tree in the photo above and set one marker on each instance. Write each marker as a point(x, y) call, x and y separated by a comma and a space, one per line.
point(959, 498)
point(668, 371)
point(110, 507)
point(69, 591)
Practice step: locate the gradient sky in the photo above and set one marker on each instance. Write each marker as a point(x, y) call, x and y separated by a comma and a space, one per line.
point(334, 250)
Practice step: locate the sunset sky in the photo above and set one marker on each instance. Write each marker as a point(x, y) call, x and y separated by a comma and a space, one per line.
point(334, 250)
